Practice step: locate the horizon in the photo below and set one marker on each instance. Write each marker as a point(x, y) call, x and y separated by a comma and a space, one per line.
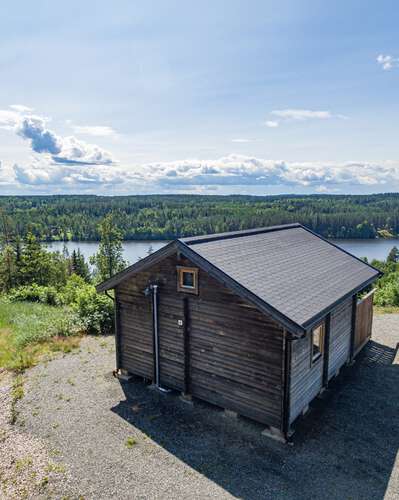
point(212, 195)
point(218, 99)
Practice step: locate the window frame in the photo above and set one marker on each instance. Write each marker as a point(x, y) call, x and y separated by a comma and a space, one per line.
point(180, 279)
point(314, 358)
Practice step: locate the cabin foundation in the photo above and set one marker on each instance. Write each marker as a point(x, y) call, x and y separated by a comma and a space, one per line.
point(274, 433)
point(122, 374)
point(187, 399)
point(230, 413)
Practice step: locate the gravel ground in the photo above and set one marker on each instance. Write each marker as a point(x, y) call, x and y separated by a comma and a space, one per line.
point(27, 463)
point(345, 447)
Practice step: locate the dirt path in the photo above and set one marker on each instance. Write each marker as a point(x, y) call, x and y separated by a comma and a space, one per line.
point(125, 441)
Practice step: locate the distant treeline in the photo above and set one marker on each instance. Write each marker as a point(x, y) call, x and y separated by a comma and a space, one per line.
point(76, 217)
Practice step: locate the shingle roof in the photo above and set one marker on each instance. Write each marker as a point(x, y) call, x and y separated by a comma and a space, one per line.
point(289, 267)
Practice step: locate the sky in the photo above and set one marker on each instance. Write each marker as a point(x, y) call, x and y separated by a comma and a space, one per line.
point(211, 97)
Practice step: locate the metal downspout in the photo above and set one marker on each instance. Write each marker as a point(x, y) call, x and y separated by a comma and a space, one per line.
point(154, 289)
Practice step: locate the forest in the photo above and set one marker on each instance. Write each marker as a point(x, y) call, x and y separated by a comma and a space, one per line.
point(77, 217)
point(48, 300)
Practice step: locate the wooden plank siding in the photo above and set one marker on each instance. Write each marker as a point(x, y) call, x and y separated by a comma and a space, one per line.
point(235, 351)
point(306, 378)
point(340, 336)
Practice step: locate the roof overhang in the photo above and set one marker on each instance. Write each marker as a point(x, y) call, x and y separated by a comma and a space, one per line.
point(140, 265)
point(212, 270)
point(184, 247)
point(316, 319)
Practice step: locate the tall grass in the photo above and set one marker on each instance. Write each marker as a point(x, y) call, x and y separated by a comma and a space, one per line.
point(28, 330)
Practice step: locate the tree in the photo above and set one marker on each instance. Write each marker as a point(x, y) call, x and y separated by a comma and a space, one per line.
point(35, 263)
point(79, 266)
point(393, 255)
point(108, 260)
point(8, 268)
point(8, 256)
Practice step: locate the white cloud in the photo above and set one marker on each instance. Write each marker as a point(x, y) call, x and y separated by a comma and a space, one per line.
point(42, 140)
point(226, 172)
point(65, 150)
point(76, 151)
point(302, 114)
point(8, 119)
point(245, 140)
point(43, 173)
point(387, 62)
point(94, 130)
point(21, 108)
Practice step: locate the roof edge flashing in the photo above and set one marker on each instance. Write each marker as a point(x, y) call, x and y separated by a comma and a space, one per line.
point(235, 234)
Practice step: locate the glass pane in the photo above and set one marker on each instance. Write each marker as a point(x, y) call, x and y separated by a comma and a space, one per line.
point(317, 340)
point(188, 279)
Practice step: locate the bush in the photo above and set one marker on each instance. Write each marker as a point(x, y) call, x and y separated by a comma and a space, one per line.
point(94, 310)
point(91, 312)
point(387, 293)
point(36, 293)
point(71, 290)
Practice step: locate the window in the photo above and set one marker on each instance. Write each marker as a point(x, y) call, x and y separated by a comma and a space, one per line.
point(317, 340)
point(187, 279)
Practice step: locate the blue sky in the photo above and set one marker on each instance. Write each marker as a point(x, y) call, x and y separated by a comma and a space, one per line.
point(220, 97)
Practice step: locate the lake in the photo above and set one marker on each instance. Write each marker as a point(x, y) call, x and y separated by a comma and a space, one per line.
point(134, 250)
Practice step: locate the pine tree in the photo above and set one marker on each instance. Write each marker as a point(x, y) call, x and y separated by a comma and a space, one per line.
point(74, 262)
point(79, 265)
point(35, 262)
point(8, 254)
point(8, 268)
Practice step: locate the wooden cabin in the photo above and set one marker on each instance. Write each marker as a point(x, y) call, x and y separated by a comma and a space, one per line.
point(256, 321)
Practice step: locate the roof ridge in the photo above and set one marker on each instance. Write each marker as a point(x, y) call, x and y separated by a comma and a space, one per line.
point(236, 234)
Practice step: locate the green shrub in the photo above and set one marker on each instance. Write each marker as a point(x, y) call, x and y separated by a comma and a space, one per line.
point(387, 293)
point(71, 289)
point(94, 310)
point(36, 293)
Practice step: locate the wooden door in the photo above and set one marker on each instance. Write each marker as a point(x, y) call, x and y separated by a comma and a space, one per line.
point(364, 321)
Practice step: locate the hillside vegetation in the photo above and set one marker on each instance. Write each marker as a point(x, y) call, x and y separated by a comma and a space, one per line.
point(167, 216)
point(48, 299)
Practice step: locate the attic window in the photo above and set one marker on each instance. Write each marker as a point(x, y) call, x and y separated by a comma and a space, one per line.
point(187, 279)
point(317, 340)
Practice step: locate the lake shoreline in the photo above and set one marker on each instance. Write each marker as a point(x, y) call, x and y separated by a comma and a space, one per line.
point(133, 250)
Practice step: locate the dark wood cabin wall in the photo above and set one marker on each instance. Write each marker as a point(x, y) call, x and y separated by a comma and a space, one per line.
point(306, 377)
point(236, 352)
point(135, 326)
point(340, 336)
point(136, 337)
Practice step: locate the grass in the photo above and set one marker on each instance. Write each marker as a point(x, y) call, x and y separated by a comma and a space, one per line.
point(29, 331)
point(130, 442)
point(17, 393)
point(386, 309)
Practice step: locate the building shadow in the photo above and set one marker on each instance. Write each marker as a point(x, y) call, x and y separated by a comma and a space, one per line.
point(345, 447)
